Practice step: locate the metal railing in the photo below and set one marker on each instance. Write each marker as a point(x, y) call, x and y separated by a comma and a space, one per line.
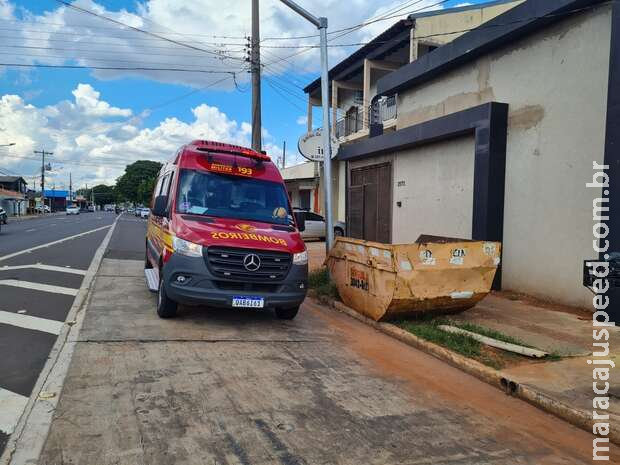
point(386, 109)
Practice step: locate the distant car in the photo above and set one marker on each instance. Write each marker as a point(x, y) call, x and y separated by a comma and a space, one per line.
point(144, 212)
point(3, 216)
point(131, 210)
point(73, 210)
point(91, 208)
point(43, 209)
point(316, 226)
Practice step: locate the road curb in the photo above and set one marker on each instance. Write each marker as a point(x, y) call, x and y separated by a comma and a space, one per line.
point(28, 439)
point(506, 383)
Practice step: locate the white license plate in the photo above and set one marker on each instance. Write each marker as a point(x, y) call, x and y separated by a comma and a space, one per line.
point(248, 302)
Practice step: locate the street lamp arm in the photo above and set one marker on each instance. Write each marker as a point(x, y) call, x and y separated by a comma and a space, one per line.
point(8, 145)
point(318, 22)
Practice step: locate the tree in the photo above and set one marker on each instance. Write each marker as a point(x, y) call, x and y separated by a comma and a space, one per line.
point(137, 184)
point(103, 194)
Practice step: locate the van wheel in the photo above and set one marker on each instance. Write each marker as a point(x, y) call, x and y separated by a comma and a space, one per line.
point(287, 313)
point(166, 307)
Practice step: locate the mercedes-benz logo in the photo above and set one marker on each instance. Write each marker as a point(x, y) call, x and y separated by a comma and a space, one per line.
point(251, 262)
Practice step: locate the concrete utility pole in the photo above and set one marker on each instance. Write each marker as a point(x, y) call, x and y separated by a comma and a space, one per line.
point(255, 66)
point(43, 169)
point(70, 190)
point(284, 155)
point(321, 24)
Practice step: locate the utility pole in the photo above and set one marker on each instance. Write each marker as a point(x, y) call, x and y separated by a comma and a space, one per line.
point(43, 169)
point(255, 67)
point(321, 25)
point(70, 189)
point(284, 155)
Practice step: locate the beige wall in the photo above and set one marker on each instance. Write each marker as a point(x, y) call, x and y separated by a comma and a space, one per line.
point(435, 184)
point(450, 22)
point(555, 83)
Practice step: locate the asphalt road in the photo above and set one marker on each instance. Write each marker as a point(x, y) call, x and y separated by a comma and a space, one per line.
point(38, 285)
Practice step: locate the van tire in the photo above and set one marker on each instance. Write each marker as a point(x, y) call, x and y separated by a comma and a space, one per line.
point(287, 313)
point(166, 307)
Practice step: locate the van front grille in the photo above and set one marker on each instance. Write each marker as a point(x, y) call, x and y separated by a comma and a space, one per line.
point(228, 263)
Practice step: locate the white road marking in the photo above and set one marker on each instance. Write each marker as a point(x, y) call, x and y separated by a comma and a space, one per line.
point(41, 266)
point(12, 407)
point(49, 244)
point(30, 230)
point(39, 287)
point(31, 322)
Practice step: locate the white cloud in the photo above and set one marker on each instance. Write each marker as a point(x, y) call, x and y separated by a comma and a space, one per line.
point(94, 140)
point(302, 120)
point(64, 35)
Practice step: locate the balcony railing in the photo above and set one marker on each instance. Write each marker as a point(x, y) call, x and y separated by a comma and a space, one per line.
point(354, 121)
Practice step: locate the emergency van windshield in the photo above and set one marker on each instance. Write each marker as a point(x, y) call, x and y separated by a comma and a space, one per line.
point(221, 195)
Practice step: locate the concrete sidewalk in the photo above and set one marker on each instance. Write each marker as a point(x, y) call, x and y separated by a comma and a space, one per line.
point(555, 329)
point(241, 387)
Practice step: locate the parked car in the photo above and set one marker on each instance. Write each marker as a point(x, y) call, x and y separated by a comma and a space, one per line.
point(73, 210)
point(316, 226)
point(43, 209)
point(91, 208)
point(131, 210)
point(144, 212)
point(3, 216)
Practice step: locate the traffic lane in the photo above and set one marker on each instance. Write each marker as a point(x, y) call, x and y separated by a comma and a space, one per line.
point(35, 303)
point(75, 253)
point(20, 236)
point(24, 353)
point(128, 241)
point(243, 387)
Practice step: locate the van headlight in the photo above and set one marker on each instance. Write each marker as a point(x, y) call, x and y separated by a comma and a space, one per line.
point(300, 258)
point(183, 247)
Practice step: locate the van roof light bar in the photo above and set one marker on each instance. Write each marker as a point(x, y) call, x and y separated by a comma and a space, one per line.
point(219, 147)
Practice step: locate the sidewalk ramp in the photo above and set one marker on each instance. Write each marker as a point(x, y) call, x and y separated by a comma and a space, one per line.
point(432, 275)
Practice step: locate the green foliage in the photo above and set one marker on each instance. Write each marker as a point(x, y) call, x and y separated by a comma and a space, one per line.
point(322, 284)
point(428, 328)
point(137, 184)
point(103, 194)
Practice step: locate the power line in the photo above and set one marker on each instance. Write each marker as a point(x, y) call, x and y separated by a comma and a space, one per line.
point(116, 68)
point(143, 31)
point(65, 25)
point(106, 60)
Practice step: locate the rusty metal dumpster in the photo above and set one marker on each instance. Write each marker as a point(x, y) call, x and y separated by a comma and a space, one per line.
point(432, 275)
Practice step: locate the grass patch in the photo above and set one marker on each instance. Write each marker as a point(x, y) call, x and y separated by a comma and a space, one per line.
point(321, 283)
point(428, 329)
point(490, 333)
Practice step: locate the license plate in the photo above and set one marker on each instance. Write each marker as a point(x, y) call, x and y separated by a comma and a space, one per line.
point(248, 302)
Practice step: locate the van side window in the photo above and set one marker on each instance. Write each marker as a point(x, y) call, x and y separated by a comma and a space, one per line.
point(165, 185)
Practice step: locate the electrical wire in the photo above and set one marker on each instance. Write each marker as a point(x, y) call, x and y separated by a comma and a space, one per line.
point(143, 31)
point(114, 68)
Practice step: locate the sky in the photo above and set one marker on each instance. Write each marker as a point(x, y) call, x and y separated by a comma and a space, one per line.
point(179, 73)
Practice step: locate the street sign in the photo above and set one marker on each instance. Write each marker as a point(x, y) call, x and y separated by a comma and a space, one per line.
point(310, 145)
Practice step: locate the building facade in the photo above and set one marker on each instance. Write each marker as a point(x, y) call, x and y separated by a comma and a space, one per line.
point(353, 82)
point(13, 195)
point(497, 135)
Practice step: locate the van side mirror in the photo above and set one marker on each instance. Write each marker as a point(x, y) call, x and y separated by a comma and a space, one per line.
point(300, 219)
point(160, 206)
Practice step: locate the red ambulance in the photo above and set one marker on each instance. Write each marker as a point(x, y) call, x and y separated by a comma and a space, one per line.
point(222, 233)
